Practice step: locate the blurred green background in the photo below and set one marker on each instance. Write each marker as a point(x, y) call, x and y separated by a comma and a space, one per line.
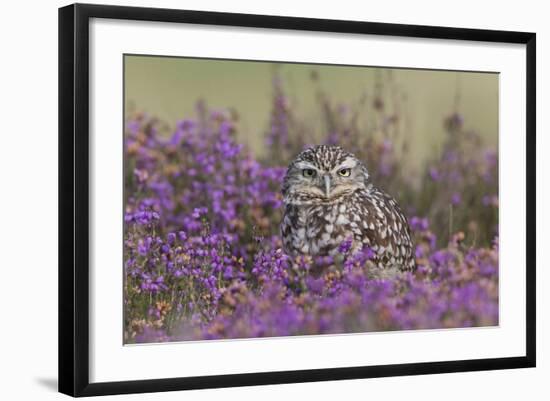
point(169, 88)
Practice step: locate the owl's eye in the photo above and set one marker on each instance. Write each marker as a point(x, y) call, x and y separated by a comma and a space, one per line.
point(345, 172)
point(308, 172)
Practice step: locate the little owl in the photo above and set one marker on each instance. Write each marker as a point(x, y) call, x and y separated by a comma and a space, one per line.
point(329, 199)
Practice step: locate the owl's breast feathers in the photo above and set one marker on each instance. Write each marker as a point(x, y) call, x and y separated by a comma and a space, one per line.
point(368, 216)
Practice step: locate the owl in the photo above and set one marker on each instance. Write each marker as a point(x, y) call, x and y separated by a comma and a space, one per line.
point(329, 198)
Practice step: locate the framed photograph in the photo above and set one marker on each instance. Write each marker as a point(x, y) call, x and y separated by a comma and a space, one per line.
point(251, 199)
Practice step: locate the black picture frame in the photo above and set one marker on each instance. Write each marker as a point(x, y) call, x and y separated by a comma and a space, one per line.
point(74, 201)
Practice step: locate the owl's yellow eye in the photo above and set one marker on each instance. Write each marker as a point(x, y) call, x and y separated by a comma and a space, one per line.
point(345, 172)
point(308, 172)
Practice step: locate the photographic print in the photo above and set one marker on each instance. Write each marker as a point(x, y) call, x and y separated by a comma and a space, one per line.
point(269, 199)
point(250, 213)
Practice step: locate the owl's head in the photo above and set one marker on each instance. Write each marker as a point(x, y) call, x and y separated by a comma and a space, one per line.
point(323, 174)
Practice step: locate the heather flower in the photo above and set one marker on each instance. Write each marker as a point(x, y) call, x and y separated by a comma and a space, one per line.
point(435, 174)
point(171, 237)
point(456, 199)
point(345, 246)
point(418, 224)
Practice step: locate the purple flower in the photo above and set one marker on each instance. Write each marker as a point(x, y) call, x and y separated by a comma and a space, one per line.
point(345, 246)
point(435, 175)
point(418, 223)
point(198, 212)
point(456, 199)
point(171, 237)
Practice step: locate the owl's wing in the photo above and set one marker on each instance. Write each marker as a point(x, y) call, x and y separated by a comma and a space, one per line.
point(385, 230)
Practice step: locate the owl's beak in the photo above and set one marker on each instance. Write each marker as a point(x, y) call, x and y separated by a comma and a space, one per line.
point(327, 185)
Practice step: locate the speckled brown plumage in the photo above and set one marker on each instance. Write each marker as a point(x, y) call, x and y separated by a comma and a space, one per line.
point(329, 199)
